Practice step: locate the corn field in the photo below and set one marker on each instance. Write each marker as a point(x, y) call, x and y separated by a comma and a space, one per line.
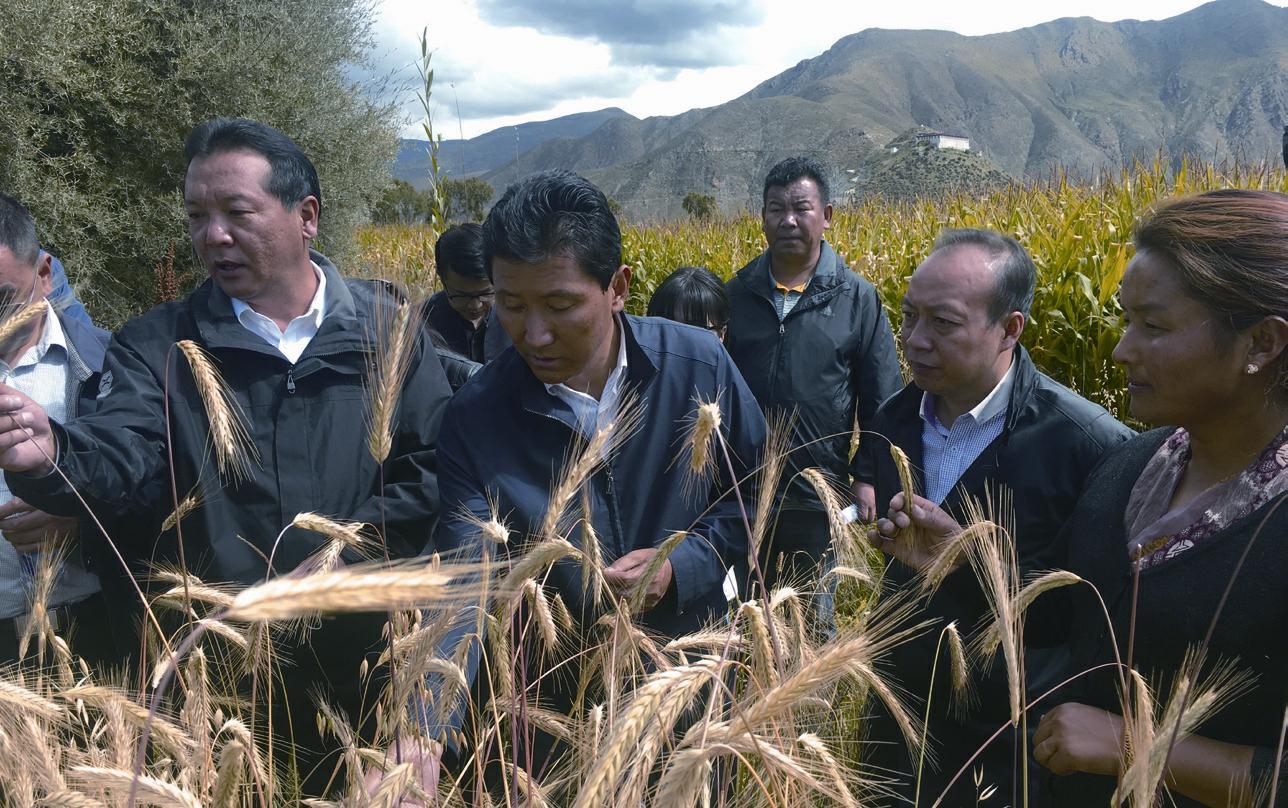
point(1078, 235)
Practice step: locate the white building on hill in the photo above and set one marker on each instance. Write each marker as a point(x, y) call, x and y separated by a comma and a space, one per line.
point(941, 140)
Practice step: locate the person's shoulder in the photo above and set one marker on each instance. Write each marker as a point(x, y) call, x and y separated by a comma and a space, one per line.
point(158, 326)
point(490, 388)
point(1088, 417)
point(907, 401)
point(375, 292)
point(1125, 460)
point(79, 330)
point(658, 336)
point(738, 282)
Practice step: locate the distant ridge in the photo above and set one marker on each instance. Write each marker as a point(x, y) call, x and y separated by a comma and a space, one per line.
point(463, 158)
point(1074, 92)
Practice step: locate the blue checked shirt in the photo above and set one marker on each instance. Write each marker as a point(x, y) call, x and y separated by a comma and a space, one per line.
point(948, 451)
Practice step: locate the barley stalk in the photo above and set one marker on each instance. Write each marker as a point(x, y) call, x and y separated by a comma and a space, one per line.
point(351, 589)
point(705, 425)
point(151, 790)
point(385, 387)
point(235, 452)
point(189, 504)
point(906, 478)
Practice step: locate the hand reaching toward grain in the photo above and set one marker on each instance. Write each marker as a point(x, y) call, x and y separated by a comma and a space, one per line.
point(623, 575)
point(26, 441)
point(915, 536)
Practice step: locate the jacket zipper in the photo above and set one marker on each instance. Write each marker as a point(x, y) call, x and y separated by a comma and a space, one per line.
point(613, 517)
point(290, 382)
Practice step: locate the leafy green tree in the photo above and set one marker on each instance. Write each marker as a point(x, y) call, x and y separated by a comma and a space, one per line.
point(467, 199)
point(98, 96)
point(401, 203)
point(699, 206)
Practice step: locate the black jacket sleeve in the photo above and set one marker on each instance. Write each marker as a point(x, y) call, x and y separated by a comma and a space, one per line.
point(875, 374)
point(409, 498)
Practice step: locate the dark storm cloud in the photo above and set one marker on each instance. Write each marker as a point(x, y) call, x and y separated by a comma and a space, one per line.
point(662, 33)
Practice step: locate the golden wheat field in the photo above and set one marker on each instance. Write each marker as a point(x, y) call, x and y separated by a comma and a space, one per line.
point(761, 710)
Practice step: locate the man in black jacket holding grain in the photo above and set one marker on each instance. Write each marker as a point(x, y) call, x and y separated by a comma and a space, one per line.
point(293, 339)
point(977, 418)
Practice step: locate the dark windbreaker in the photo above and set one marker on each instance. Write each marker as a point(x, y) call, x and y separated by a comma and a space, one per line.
point(831, 358)
point(308, 422)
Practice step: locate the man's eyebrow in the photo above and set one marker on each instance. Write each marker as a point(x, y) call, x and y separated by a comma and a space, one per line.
point(238, 197)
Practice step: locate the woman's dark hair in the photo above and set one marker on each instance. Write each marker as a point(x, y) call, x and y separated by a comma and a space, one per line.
point(691, 295)
point(291, 175)
point(554, 213)
point(460, 250)
point(1230, 251)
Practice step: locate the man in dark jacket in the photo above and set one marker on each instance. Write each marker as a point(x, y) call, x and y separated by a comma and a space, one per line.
point(458, 315)
point(978, 417)
point(56, 359)
point(292, 338)
point(555, 254)
point(812, 340)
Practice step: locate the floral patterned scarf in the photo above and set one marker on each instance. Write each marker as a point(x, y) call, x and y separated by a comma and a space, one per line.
point(1156, 534)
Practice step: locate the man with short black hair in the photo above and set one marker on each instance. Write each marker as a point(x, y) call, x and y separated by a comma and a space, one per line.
point(56, 360)
point(554, 250)
point(978, 417)
point(458, 314)
point(812, 340)
point(293, 339)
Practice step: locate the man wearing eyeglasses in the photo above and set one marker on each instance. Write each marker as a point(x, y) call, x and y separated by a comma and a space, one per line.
point(458, 315)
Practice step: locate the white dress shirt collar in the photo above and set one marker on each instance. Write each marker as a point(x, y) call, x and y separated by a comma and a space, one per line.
point(299, 331)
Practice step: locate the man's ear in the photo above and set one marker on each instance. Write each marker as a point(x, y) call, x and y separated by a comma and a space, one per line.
point(827, 216)
point(1012, 328)
point(309, 210)
point(620, 287)
point(44, 275)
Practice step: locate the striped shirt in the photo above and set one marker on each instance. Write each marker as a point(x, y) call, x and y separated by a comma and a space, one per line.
point(948, 451)
point(41, 373)
point(786, 297)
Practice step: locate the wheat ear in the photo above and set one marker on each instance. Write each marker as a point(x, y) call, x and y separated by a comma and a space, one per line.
point(235, 452)
point(386, 384)
point(351, 589)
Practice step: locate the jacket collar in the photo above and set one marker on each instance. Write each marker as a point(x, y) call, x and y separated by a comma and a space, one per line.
point(220, 328)
point(86, 346)
point(1026, 381)
point(907, 422)
point(640, 370)
point(826, 277)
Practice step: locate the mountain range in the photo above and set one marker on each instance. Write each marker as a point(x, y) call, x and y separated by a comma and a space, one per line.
point(1073, 93)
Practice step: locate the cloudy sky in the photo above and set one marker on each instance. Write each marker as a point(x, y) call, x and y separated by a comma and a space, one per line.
point(502, 62)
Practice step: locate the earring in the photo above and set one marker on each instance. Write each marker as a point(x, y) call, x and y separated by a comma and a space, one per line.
point(1252, 369)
